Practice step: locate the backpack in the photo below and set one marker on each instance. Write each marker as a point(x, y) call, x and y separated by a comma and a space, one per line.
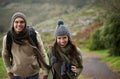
point(32, 35)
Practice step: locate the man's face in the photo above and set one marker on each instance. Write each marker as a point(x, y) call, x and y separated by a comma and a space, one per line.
point(62, 41)
point(19, 24)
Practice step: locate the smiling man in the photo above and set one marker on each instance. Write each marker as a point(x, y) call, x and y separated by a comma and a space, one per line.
point(19, 25)
point(18, 50)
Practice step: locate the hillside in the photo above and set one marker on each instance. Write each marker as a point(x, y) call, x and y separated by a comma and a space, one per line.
point(36, 10)
point(81, 23)
point(44, 17)
point(35, 13)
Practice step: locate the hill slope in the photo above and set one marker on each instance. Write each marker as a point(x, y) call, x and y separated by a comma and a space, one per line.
point(44, 17)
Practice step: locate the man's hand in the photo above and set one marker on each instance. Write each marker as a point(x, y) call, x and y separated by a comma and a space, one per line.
point(45, 77)
point(10, 74)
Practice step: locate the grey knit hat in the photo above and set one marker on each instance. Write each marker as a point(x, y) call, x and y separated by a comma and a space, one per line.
point(62, 30)
point(18, 14)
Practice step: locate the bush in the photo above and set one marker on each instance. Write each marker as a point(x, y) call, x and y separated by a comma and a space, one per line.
point(109, 37)
point(112, 34)
point(96, 42)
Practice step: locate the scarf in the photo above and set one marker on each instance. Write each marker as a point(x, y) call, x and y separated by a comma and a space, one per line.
point(19, 38)
point(65, 60)
point(64, 55)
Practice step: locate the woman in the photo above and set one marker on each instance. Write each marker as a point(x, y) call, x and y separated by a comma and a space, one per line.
point(24, 63)
point(65, 58)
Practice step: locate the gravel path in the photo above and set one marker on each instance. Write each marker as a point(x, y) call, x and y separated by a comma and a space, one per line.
point(95, 69)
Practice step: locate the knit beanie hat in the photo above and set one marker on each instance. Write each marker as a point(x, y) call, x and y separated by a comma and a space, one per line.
point(62, 29)
point(18, 14)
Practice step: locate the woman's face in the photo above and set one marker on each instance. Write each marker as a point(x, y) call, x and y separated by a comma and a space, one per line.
point(19, 24)
point(62, 41)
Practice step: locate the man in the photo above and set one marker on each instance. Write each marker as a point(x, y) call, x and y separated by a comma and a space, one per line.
point(24, 63)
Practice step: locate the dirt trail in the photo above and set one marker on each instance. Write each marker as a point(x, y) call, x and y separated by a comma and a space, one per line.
point(95, 69)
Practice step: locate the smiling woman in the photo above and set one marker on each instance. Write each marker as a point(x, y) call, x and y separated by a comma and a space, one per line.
point(65, 58)
point(62, 40)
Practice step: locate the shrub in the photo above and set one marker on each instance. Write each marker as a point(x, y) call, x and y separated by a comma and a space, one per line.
point(112, 34)
point(96, 42)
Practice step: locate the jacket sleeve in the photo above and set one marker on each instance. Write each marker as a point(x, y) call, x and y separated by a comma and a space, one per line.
point(80, 68)
point(52, 58)
point(5, 56)
point(42, 51)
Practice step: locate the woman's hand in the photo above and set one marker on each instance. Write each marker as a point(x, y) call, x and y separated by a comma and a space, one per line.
point(74, 69)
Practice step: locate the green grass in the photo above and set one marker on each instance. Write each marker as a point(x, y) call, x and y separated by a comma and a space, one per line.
point(3, 73)
point(102, 53)
point(83, 77)
point(113, 62)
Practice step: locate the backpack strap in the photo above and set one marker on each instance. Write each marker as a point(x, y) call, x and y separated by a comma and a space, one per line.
point(9, 45)
point(34, 42)
point(32, 35)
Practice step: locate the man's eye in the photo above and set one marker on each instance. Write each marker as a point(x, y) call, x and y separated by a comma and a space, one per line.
point(19, 21)
point(16, 21)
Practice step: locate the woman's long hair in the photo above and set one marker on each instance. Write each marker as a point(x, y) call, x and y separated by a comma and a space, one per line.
point(73, 53)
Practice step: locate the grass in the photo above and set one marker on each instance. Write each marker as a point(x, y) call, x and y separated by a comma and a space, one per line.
point(3, 73)
point(102, 53)
point(113, 62)
point(83, 77)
